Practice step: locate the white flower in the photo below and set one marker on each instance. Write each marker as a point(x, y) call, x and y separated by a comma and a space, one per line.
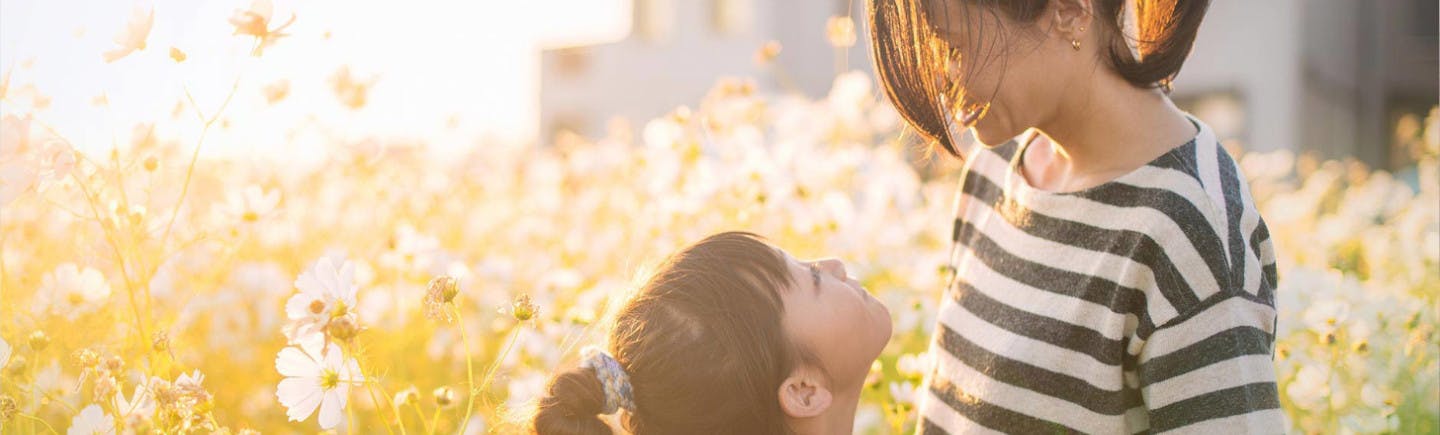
point(312, 380)
point(1324, 316)
point(139, 407)
point(249, 205)
point(912, 364)
point(4, 353)
point(903, 392)
point(327, 290)
point(71, 291)
point(1310, 386)
point(411, 250)
point(91, 420)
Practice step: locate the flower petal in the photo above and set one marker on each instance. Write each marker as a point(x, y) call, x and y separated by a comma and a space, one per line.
point(300, 396)
point(333, 407)
point(293, 362)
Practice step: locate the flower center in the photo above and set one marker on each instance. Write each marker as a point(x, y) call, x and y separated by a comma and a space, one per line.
point(250, 216)
point(317, 306)
point(329, 379)
point(339, 311)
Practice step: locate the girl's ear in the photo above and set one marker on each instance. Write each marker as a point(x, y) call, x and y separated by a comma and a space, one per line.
point(802, 395)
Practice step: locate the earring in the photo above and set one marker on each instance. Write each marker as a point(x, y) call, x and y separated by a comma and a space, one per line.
point(1075, 43)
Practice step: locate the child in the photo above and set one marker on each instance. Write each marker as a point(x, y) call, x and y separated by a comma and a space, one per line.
point(730, 335)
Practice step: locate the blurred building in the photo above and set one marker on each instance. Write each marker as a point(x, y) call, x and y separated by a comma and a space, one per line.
point(676, 50)
point(1329, 76)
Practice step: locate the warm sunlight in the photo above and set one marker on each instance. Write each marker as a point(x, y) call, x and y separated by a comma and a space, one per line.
point(655, 217)
point(461, 70)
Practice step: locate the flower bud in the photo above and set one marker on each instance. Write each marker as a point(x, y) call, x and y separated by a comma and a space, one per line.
point(160, 342)
point(444, 288)
point(444, 397)
point(342, 328)
point(86, 358)
point(407, 396)
point(114, 363)
point(38, 340)
point(523, 309)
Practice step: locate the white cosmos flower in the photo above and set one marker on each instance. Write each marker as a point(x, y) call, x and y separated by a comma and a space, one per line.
point(903, 392)
point(140, 406)
point(249, 205)
point(913, 364)
point(91, 420)
point(71, 291)
point(1309, 388)
point(4, 353)
point(327, 290)
point(314, 380)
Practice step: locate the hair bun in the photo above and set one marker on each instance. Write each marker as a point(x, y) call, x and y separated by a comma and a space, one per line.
point(571, 406)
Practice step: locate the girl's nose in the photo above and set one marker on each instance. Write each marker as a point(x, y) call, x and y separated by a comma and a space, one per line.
point(834, 267)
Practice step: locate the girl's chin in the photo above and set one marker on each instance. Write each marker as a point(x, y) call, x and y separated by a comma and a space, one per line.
point(992, 132)
point(991, 137)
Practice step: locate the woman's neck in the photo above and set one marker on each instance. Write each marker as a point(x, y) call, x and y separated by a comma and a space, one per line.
point(1103, 129)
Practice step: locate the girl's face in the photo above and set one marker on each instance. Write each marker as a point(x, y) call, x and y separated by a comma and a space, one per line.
point(832, 316)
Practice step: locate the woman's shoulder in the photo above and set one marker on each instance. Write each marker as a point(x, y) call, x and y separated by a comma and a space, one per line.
point(1210, 221)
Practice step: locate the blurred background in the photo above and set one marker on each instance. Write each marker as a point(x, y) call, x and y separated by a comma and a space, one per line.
point(170, 168)
point(1335, 77)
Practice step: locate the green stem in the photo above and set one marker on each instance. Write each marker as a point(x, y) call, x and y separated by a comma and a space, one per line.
point(420, 415)
point(435, 421)
point(42, 421)
point(494, 365)
point(350, 416)
point(469, 371)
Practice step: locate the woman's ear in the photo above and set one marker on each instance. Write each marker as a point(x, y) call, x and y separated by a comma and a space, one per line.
point(1071, 17)
point(802, 395)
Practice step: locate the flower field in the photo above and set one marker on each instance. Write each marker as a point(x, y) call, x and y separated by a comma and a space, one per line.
point(388, 290)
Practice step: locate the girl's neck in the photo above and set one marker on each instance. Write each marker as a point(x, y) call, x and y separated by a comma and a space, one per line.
point(1104, 128)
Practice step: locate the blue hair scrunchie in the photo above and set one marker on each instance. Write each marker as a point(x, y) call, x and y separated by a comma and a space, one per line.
point(612, 378)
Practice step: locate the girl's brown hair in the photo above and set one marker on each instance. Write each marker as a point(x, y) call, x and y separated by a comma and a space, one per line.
point(914, 62)
point(703, 346)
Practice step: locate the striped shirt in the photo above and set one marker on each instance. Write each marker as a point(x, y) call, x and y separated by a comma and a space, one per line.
point(1142, 305)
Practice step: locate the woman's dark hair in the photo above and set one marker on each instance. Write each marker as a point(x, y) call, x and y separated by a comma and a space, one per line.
point(702, 343)
point(912, 58)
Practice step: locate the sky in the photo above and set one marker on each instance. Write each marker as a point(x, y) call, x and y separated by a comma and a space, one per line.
point(445, 71)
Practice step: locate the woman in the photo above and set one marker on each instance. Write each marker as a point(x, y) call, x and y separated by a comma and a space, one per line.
point(729, 336)
point(1111, 272)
